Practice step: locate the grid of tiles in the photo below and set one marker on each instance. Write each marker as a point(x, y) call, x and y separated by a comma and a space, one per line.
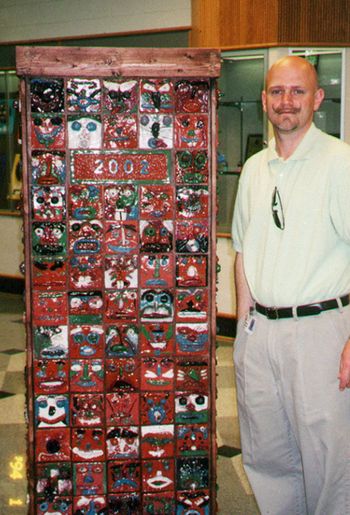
point(120, 208)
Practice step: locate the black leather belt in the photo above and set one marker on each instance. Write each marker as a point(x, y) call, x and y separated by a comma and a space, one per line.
point(301, 311)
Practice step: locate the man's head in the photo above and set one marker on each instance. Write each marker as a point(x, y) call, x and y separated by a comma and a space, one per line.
point(291, 95)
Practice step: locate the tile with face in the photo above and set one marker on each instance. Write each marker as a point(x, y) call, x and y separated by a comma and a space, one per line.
point(121, 272)
point(122, 408)
point(52, 445)
point(196, 501)
point(89, 478)
point(123, 442)
point(192, 96)
point(85, 307)
point(51, 410)
point(87, 409)
point(124, 503)
point(85, 237)
point(192, 440)
point(49, 203)
point(157, 305)
point(48, 132)
point(191, 167)
point(191, 304)
point(84, 131)
point(85, 272)
point(192, 473)
point(192, 339)
point(50, 342)
point(49, 273)
point(86, 375)
point(156, 131)
point(192, 236)
point(156, 236)
point(157, 441)
point(48, 168)
point(120, 96)
point(192, 202)
point(157, 339)
point(157, 270)
point(90, 504)
point(158, 475)
point(120, 131)
point(157, 373)
point(191, 270)
point(191, 131)
point(122, 340)
point(122, 375)
point(191, 408)
point(56, 506)
point(46, 95)
point(156, 95)
point(85, 202)
point(192, 375)
point(88, 444)
point(124, 476)
point(84, 95)
point(156, 202)
point(121, 202)
point(49, 308)
point(121, 237)
point(121, 304)
point(48, 239)
point(86, 341)
point(50, 376)
point(53, 480)
point(159, 503)
point(157, 408)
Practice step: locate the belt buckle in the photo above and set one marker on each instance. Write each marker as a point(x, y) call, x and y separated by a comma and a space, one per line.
point(272, 313)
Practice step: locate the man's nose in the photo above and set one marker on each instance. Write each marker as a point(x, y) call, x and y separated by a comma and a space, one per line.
point(287, 97)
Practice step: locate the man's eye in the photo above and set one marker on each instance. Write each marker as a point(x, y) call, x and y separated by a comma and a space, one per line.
point(275, 92)
point(298, 91)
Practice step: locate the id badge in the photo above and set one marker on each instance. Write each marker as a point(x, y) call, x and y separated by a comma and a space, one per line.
point(249, 324)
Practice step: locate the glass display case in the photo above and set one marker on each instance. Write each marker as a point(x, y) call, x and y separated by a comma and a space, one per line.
point(329, 64)
point(10, 174)
point(241, 124)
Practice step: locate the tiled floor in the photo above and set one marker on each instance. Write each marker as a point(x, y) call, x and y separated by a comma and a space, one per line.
point(234, 494)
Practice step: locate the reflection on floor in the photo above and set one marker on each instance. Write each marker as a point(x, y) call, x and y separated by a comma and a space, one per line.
point(234, 494)
point(13, 490)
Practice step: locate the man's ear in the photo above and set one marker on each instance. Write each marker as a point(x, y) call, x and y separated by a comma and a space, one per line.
point(263, 100)
point(319, 96)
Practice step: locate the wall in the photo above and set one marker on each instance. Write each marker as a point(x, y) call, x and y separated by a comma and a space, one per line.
point(228, 23)
point(226, 302)
point(11, 255)
point(19, 20)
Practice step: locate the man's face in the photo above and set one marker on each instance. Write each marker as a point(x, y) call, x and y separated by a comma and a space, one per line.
point(291, 96)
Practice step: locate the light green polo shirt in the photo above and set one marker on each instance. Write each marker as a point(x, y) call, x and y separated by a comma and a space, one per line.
point(309, 260)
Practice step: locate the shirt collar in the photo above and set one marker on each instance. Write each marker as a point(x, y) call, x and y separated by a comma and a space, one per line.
point(303, 150)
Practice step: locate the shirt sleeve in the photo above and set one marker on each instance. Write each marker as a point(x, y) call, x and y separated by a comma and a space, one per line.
point(340, 199)
point(239, 215)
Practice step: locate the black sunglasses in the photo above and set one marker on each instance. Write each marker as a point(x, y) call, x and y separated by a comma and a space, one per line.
point(277, 209)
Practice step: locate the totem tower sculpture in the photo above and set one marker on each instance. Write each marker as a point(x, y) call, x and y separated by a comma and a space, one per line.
point(119, 160)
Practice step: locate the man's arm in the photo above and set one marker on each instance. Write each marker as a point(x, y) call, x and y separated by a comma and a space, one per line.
point(344, 369)
point(244, 299)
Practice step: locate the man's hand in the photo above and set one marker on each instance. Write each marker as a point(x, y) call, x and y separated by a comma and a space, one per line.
point(344, 369)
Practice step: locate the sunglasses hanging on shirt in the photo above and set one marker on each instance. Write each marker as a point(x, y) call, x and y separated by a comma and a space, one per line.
point(277, 209)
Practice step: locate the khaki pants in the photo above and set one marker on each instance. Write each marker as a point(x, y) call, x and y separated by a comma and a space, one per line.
point(294, 421)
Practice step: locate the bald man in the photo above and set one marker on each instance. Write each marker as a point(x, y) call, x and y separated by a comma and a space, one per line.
point(291, 233)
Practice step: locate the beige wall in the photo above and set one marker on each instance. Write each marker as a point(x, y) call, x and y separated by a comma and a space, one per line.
point(226, 302)
point(11, 254)
point(41, 19)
